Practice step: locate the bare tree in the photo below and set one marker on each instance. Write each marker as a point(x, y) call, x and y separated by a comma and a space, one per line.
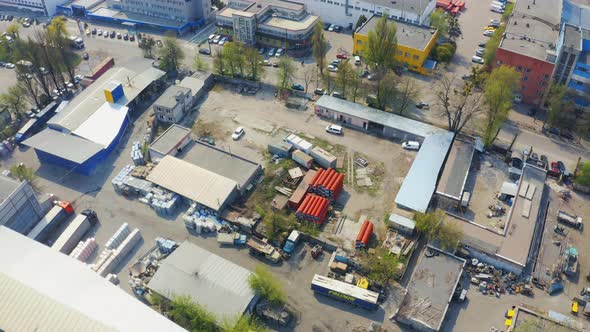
point(458, 104)
point(406, 94)
point(344, 76)
point(308, 75)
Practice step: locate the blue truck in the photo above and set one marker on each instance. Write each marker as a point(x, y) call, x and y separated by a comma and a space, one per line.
point(345, 292)
point(292, 241)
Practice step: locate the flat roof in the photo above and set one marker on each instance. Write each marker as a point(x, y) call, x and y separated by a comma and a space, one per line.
point(409, 6)
point(572, 37)
point(419, 184)
point(454, 175)
point(67, 296)
point(533, 28)
point(210, 280)
point(221, 162)
point(552, 322)
point(294, 25)
point(431, 288)
point(7, 187)
point(345, 288)
point(68, 147)
point(92, 98)
point(520, 229)
point(169, 138)
point(103, 10)
point(192, 182)
point(259, 5)
point(104, 125)
point(168, 98)
point(193, 83)
point(410, 35)
point(402, 221)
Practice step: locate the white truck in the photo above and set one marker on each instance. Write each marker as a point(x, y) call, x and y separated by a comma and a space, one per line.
point(570, 220)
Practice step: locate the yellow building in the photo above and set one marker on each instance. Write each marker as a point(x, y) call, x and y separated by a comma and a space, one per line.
point(414, 44)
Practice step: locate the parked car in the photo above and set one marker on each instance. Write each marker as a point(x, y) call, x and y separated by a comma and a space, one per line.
point(319, 92)
point(337, 28)
point(477, 59)
point(94, 31)
point(545, 161)
point(131, 37)
point(534, 156)
point(85, 56)
point(237, 133)
point(562, 169)
point(494, 23)
point(126, 37)
point(423, 105)
point(119, 35)
point(482, 44)
point(99, 32)
point(297, 87)
point(271, 52)
point(555, 169)
point(334, 129)
point(215, 39)
point(9, 65)
point(266, 63)
point(211, 37)
point(332, 68)
point(279, 52)
point(342, 55)
point(480, 51)
point(338, 94)
point(331, 27)
point(204, 51)
point(411, 145)
point(223, 40)
point(261, 50)
point(488, 33)
point(327, 26)
point(567, 135)
point(336, 62)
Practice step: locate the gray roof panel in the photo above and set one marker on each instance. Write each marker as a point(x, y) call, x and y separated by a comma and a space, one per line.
point(68, 147)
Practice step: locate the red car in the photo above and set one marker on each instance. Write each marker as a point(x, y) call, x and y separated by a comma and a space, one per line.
point(554, 169)
point(342, 56)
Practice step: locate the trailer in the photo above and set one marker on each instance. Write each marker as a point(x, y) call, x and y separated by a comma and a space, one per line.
point(345, 292)
point(48, 223)
point(261, 248)
point(570, 220)
point(70, 237)
point(231, 239)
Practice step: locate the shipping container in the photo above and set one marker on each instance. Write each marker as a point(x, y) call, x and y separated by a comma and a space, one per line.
point(280, 148)
point(48, 223)
point(70, 237)
point(323, 157)
point(302, 159)
point(299, 143)
point(97, 72)
point(344, 292)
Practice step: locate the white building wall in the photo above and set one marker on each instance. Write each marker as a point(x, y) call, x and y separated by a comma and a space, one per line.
point(47, 7)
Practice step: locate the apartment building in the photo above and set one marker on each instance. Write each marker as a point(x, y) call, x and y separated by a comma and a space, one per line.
point(414, 44)
point(273, 23)
point(173, 104)
point(176, 10)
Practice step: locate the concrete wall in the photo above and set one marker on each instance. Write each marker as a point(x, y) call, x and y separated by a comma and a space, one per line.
point(494, 261)
point(21, 210)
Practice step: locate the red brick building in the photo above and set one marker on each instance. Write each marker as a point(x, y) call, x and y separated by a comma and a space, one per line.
point(529, 46)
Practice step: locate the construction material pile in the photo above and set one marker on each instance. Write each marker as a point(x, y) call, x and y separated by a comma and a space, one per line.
point(313, 209)
point(136, 154)
point(362, 240)
point(327, 183)
point(84, 249)
point(116, 248)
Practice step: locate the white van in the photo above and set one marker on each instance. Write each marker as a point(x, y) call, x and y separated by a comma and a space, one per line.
point(334, 129)
point(357, 60)
point(411, 145)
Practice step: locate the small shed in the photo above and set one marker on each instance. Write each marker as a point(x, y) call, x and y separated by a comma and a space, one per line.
point(172, 141)
point(302, 158)
point(402, 224)
point(323, 157)
point(280, 148)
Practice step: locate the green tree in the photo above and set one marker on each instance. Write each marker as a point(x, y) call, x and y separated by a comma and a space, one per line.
point(498, 94)
point(14, 101)
point(344, 76)
point(320, 46)
point(386, 90)
point(356, 87)
point(439, 21)
point(381, 46)
point(199, 64)
point(433, 226)
point(147, 44)
point(171, 55)
point(267, 286)
point(583, 126)
point(583, 174)
point(254, 67)
point(219, 62)
point(444, 52)
point(382, 266)
point(406, 94)
point(458, 104)
point(13, 30)
point(285, 72)
point(191, 316)
point(561, 106)
point(491, 47)
point(24, 173)
point(245, 323)
point(362, 19)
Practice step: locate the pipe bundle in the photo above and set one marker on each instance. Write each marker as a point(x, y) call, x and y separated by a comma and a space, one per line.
point(313, 209)
point(327, 183)
point(362, 240)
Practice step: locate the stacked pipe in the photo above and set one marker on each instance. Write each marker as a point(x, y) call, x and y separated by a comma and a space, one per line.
point(362, 240)
point(327, 183)
point(314, 209)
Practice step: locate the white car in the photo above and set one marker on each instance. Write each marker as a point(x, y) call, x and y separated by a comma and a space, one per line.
point(9, 65)
point(334, 129)
point(331, 28)
point(237, 133)
point(411, 145)
point(271, 52)
point(332, 68)
point(488, 33)
point(211, 37)
point(480, 51)
point(279, 52)
point(477, 59)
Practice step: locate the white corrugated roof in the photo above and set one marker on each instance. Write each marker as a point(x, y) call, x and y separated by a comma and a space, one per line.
point(44, 290)
point(211, 281)
point(192, 182)
point(103, 125)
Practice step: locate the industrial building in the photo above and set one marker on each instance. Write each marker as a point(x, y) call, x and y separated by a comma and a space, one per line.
point(173, 104)
point(199, 83)
point(192, 182)
point(550, 321)
point(89, 128)
point(209, 280)
point(43, 7)
point(450, 190)
point(172, 141)
point(430, 290)
point(20, 209)
point(346, 13)
point(43, 289)
point(420, 183)
point(414, 44)
point(275, 23)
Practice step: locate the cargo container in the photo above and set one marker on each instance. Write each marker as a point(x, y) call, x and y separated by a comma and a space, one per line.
point(302, 159)
point(70, 237)
point(345, 292)
point(280, 148)
point(97, 72)
point(47, 224)
point(299, 143)
point(323, 157)
point(570, 220)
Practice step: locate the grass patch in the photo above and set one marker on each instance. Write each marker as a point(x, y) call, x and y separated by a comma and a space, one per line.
point(212, 129)
point(507, 11)
point(333, 148)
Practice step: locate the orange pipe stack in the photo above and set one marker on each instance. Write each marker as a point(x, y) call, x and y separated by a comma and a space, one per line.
point(327, 183)
point(314, 209)
point(362, 239)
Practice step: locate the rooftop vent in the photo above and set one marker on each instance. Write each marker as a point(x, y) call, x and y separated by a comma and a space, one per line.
point(528, 25)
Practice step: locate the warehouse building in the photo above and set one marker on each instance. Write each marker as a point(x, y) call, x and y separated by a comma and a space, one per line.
point(420, 183)
point(65, 296)
point(89, 128)
point(209, 280)
point(195, 183)
point(550, 321)
point(451, 185)
point(430, 290)
point(20, 209)
point(172, 141)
